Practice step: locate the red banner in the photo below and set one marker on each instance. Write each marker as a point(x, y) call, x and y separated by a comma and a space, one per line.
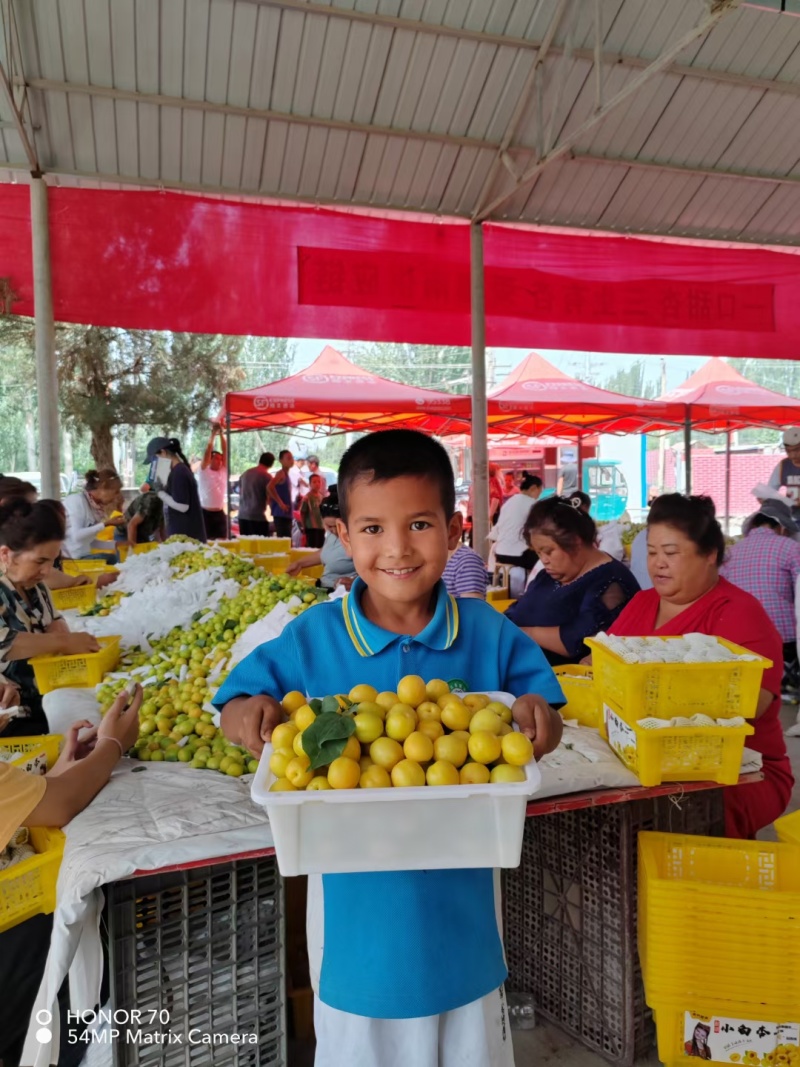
point(167, 261)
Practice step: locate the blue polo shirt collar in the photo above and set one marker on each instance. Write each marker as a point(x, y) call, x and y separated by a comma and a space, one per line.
point(369, 639)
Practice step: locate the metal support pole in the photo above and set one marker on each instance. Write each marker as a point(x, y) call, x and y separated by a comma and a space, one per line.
point(228, 450)
point(728, 482)
point(687, 453)
point(580, 461)
point(480, 423)
point(46, 366)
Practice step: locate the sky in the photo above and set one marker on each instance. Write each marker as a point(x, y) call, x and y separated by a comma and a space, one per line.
point(589, 366)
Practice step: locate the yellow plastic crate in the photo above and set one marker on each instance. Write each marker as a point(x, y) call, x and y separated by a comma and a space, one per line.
point(274, 564)
point(715, 916)
point(29, 888)
point(497, 592)
point(28, 750)
point(122, 551)
point(676, 1024)
point(146, 546)
point(314, 573)
point(577, 684)
point(296, 554)
point(501, 605)
point(232, 545)
point(78, 596)
point(675, 753)
point(721, 690)
point(79, 672)
point(788, 828)
point(74, 567)
point(262, 546)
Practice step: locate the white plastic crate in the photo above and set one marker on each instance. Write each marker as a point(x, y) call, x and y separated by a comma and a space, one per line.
point(337, 831)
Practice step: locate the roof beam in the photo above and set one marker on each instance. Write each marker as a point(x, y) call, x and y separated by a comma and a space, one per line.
point(499, 40)
point(676, 168)
point(184, 104)
point(717, 9)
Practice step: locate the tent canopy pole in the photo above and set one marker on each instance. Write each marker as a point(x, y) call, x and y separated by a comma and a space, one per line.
point(480, 422)
point(687, 452)
point(46, 364)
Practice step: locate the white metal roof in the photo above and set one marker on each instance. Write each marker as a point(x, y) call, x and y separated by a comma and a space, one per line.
point(439, 106)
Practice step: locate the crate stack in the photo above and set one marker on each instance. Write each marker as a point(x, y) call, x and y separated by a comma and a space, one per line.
point(630, 692)
point(719, 949)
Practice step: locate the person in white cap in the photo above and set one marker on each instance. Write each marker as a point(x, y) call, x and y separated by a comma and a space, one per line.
point(787, 474)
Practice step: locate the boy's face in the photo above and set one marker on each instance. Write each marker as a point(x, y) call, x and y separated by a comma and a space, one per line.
point(398, 536)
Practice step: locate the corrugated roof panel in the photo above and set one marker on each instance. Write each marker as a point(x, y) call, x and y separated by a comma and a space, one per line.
point(704, 142)
point(312, 46)
point(80, 120)
point(255, 136)
point(580, 96)
point(149, 141)
point(195, 52)
point(431, 177)
point(171, 56)
point(191, 146)
point(724, 46)
point(287, 60)
point(405, 172)
point(332, 70)
point(625, 23)
point(509, 97)
point(790, 71)
point(646, 198)
point(296, 140)
point(779, 218)
point(690, 99)
point(408, 99)
point(171, 144)
point(625, 131)
point(485, 116)
point(213, 142)
point(123, 50)
point(264, 55)
point(218, 62)
point(365, 62)
point(781, 45)
point(368, 170)
point(404, 49)
point(274, 151)
point(73, 39)
point(722, 206)
point(477, 67)
point(243, 38)
point(457, 180)
point(382, 191)
point(104, 121)
point(438, 82)
point(531, 20)
point(351, 166)
point(147, 48)
point(331, 164)
point(13, 152)
point(761, 144)
point(494, 16)
point(538, 201)
point(476, 179)
point(584, 34)
point(315, 152)
point(97, 25)
point(127, 123)
point(48, 32)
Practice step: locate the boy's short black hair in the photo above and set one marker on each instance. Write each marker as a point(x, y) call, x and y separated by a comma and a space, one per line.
point(389, 454)
point(266, 459)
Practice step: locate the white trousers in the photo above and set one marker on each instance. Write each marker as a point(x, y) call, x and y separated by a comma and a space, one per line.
point(477, 1035)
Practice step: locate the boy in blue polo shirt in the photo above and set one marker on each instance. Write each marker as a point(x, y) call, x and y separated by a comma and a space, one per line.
point(412, 970)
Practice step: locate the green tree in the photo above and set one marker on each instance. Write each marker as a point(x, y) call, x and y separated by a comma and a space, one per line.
point(631, 381)
point(428, 366)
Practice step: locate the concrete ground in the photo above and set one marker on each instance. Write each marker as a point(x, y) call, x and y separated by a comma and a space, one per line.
point(547, 1046)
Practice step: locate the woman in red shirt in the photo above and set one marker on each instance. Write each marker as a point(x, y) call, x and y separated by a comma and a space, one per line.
point(685, 549)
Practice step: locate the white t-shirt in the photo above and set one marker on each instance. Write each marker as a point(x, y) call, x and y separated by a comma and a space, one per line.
point(513, 515)
point(213, 488)
point(83, 526)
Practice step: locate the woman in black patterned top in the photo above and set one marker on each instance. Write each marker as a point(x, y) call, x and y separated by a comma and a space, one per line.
point(30, 542)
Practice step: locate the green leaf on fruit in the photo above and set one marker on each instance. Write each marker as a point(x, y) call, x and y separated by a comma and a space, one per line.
point(316, 705)
point(330, 705)
point(326, 737)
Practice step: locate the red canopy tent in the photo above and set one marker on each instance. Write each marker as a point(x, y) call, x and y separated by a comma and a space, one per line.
point(538, 398)
point(341, 396)
point(718, 399)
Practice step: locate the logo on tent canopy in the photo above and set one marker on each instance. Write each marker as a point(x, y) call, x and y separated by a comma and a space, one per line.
point(432, 402)
point(340, 379)
point(532, 386)
point(264, 403)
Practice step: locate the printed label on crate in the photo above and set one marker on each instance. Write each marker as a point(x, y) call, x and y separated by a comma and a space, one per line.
point(743, 1041)
point(620, 736)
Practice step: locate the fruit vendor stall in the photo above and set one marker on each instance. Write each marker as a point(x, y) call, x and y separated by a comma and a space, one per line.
point(201, 925)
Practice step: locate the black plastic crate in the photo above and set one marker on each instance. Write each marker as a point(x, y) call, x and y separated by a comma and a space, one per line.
point(199, 952)
point(570, 916)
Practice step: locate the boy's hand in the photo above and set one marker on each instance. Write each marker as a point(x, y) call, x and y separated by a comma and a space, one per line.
point(537, 720)
point(249, 721)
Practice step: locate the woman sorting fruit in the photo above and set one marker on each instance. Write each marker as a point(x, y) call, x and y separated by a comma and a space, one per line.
point(180, 496)
point(54, 799)
point(30, 541)
point(87, 515)
point(685, 550)
point(423, 986)
point(333, 556)
point(579, 591)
